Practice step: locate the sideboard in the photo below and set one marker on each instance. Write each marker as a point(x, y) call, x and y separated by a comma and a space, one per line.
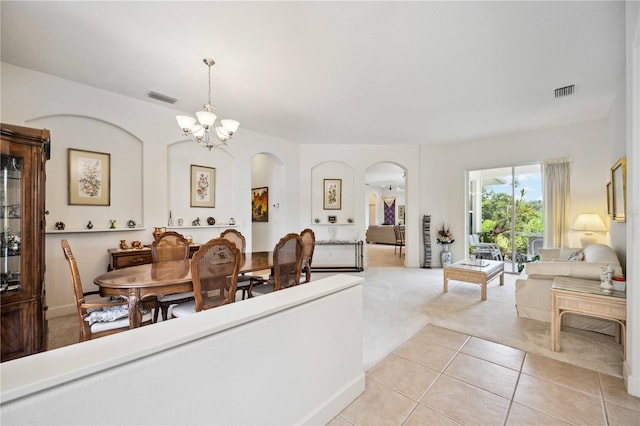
point(120, 258)
point(338, 256)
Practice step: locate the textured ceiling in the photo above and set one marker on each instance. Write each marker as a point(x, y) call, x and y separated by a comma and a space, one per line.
point(339, 72)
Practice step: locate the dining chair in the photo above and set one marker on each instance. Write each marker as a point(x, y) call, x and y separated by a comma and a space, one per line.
point(98, 316)
point(167, 246)
point(236, 237)
point(308, 245)
point(287, 266)
point(214, 273)
point(399, 234)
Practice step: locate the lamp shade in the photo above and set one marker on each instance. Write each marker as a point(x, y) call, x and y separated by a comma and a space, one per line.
point(589, 222)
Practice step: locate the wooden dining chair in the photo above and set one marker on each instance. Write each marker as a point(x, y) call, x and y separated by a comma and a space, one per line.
point(399, 234)
point(167, 246)
point(308, 245)
point(287, 266)
point(98, 316)
point(214, 272)
point(236, 237)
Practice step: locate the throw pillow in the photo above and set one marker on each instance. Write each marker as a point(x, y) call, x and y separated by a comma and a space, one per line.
point(577, 256)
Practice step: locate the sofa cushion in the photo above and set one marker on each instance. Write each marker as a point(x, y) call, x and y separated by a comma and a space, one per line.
point(600, 253)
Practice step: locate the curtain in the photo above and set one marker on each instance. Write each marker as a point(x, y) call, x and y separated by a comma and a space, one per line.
point(557, 201)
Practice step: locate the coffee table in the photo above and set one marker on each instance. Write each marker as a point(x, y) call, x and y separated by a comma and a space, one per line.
point(478, 271)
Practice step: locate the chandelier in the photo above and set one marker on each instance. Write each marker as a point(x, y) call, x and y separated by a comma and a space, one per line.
point(200, 130)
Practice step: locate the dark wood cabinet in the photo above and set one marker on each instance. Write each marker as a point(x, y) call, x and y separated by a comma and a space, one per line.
point(22, 247)
point(133, 257)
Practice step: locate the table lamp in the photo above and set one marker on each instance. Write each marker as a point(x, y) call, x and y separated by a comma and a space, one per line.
point(588, 223)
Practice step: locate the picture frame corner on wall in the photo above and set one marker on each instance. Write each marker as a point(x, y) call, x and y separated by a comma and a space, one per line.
point(619, 190)
point(609, 190)
point(260, 204)
point(203, 186)
point(88, 177)
point(332, 194)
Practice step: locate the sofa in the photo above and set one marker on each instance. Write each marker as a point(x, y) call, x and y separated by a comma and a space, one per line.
point(533, 292)
point(381, 234)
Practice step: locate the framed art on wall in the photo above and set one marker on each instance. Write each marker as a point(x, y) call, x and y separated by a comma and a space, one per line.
point(332, 194)
point(619, 189)
point(609, 199)
point(260, 204)
point(89, 178)
point(203, 186)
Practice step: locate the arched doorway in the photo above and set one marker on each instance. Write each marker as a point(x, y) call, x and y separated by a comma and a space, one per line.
point(386, 200)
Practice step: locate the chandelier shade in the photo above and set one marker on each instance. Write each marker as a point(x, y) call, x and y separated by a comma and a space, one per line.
point(199, 129)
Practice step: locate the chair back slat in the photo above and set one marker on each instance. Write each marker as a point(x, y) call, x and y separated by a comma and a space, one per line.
point(236, 238)
point(214, 272)
point(308, 246)
point(287, 261)
point(169, 246)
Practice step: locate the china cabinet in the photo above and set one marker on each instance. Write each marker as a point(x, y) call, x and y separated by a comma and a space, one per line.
point(22, 196)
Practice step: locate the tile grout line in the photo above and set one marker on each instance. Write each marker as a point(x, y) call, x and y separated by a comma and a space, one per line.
point(602, 401)
point(515, 388)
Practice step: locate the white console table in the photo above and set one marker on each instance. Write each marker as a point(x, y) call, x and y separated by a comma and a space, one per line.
point(338, 256)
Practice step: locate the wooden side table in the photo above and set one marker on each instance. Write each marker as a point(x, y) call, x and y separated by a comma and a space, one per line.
point(133, 257)
point(585, 297)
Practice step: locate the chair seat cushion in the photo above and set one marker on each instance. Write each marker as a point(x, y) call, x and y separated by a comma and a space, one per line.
point(107, 314)
point(184, 309)
point(176, 296)
point(119, 323)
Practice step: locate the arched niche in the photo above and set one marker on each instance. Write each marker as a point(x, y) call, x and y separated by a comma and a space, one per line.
point(126, 169)
point(181, 156)
point(322, 174)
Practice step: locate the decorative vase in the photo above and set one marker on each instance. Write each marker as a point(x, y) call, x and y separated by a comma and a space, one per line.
point(89, 225)
point(445, 255)
point(157, 232)
point(123, 245)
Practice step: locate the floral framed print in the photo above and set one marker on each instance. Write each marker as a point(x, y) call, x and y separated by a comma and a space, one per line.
point(89, 178)
point(260, 204)
point(332, 194)
point(203, 186)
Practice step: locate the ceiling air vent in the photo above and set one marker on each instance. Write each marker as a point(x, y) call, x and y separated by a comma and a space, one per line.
point(565, 91)
point(161, 97)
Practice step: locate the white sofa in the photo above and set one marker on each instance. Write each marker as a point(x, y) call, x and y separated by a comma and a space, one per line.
point(381, 234)
point(533, 293)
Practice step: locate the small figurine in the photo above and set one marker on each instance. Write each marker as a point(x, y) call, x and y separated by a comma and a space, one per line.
point(196, 222)
point(211, 220)
point(131, 223)
point(60, 226)
point(113, 224)
point(232, 221)
point(89, 225)
point(136, 245)
point(123, 245)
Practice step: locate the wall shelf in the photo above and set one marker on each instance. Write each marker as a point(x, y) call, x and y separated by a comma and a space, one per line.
point(222, 225)
point(81, 231)
point(332, 224)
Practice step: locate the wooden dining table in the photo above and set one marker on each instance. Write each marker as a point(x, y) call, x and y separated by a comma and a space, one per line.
point(161, 278)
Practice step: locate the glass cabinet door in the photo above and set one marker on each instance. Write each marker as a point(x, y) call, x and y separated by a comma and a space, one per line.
point(11, 215)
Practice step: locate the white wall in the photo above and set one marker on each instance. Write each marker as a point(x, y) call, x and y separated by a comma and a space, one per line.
point(443, 189)
point(290, 357)
point(141, 137)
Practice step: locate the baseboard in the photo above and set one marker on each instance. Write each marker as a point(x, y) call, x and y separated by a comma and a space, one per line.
point(61, 311)
point(336, 403)
point(631, 382)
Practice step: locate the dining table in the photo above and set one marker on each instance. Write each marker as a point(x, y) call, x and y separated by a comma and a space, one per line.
point(161, 278)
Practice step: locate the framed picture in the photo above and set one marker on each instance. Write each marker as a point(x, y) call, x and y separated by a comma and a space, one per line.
point(609, 199)
point(203, 186)
point(619, 190)
point(332, 219)
point(401, 212)
point(332, 194)
point(260, 204)
point(89, 178)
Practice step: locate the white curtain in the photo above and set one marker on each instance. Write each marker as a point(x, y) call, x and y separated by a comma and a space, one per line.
point(557, 201)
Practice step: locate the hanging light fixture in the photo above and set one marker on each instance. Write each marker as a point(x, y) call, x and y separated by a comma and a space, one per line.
point(200, 130)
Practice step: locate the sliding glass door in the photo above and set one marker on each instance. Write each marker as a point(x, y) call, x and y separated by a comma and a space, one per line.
point(505, 208)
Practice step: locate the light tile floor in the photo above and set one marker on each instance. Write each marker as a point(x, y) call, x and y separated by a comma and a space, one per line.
point(442, 377)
